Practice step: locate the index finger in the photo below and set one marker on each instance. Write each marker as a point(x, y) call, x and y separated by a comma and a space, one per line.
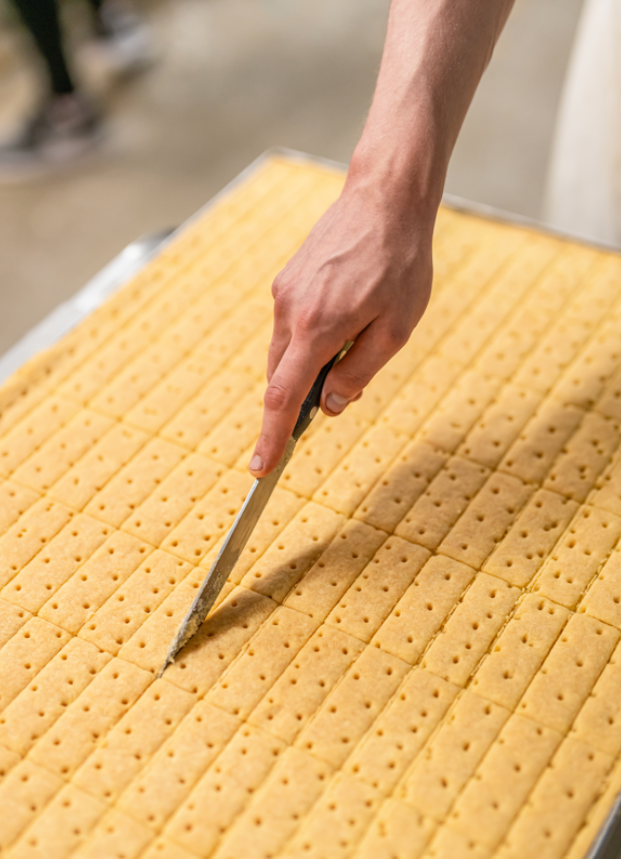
point(287, 390)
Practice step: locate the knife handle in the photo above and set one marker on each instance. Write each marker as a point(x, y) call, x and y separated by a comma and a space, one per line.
point(310, 406)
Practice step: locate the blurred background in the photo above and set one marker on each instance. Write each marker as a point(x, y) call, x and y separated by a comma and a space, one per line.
point(230, 79)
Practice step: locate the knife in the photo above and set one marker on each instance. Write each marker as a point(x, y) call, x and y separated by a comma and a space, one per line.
point(246, 519)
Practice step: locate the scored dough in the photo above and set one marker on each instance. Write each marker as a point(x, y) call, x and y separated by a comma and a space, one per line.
point(418, 653)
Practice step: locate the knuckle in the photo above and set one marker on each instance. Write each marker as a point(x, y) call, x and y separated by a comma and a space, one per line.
point(277, 286)
point(277, 397)
point(308, 320)
point(397, 336)
point(353, 381)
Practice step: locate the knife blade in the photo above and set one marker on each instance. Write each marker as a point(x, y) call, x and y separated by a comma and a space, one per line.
point(245, 522)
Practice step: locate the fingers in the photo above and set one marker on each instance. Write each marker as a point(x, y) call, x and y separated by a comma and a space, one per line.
point(345, 382)
point(278, 346)
point(286, 391)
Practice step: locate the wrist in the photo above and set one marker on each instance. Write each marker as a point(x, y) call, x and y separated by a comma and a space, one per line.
point(402, 167)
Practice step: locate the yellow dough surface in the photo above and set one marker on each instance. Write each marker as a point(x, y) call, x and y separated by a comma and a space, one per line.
point(418, 655)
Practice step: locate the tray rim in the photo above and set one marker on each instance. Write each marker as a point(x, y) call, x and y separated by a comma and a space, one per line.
point(133, 258)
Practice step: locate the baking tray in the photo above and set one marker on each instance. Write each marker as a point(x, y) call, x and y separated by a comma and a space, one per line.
point(607, 844)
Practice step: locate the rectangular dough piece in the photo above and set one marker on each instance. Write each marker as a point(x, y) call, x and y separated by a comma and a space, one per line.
point(571, 567)
point(436, 511)
point(133, 741)
point(116, 833)
point(374, 594)
point(225, 790)
point(533, 453)
point(62, 826)
point(350, 710)
point(569, 672)
point(62, 450)
point(402, 730)
point(294, 552)
point(503, 420)
point(95, 581)
point(76, 734)
point(531, 538)
point(133, 483)
point(468, 633)
point(452, 755)
point(497, 505)
point(128, 607)
point(317, 456)
point(603, 598)
point(137, 377)
point(347, 486)
point(41, 577)
point(42, 702)
point(178, 763)
point(342, 561)
point(29, 535)
point(237, 616)
point(336, 823)
point(585, 456)
point(173, 498)
point(259, 665)
point(501, 785)
point(91, 473)
point(598, 722)
point(189, 426)
point(402, 485)
point(516, 657)
point(24, 794)
point(423, 608)
point(397, 830)
point(303, 686)
point(29, 650)
point(286, 797)
point(456, 413)
point(547, 824)
point(419, 397)
point(33, 430)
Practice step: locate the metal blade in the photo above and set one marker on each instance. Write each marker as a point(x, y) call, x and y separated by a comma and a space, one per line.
point(242, 528)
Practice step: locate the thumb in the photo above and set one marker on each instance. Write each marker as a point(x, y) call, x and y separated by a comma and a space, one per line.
point(347, 379)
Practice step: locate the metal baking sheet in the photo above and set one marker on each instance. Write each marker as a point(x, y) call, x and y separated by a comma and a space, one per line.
point(607, 844)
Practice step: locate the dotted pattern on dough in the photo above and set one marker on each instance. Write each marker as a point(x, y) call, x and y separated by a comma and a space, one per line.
point(418, 654)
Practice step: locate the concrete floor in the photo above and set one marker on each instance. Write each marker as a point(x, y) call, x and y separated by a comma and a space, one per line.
point(234, 77)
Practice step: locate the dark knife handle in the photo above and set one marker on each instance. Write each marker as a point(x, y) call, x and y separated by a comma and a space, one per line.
point(310, 405)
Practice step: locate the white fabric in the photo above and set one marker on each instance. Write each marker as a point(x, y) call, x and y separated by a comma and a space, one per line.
point(583, 194)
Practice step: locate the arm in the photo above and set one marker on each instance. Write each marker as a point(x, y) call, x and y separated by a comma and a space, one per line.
point(364, 273)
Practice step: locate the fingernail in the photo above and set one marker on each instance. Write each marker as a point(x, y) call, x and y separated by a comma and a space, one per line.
point(256, 463)
point(336, 403)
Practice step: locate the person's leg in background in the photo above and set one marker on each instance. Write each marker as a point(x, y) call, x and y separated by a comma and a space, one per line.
point(64, 124)
point(122, 35)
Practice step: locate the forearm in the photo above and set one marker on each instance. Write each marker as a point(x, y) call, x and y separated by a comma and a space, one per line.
point(434, 56)
point(364, 273)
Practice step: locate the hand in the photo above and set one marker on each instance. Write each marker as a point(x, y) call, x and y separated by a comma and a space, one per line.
point(363, 274)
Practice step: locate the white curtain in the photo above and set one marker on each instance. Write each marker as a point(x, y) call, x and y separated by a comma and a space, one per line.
point(583, 193)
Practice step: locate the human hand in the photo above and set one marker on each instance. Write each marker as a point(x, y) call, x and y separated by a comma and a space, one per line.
point(363, 274)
